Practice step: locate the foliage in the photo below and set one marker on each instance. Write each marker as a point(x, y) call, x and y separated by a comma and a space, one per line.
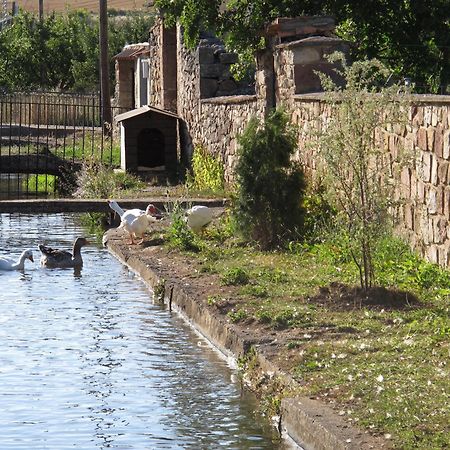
point(381, 359)
point(357, 170)
point(178, 234)
point(235, 276)
point(207, 172)
point(61, 51)
point(412, 38)
point(97, 180)
point(268, 207)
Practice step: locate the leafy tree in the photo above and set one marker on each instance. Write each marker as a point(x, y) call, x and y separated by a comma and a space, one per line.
point(61, 52)
point(412, 37)
point(268, 207)
point(357, 170)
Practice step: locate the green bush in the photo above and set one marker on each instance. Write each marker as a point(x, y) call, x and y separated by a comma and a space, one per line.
point(207, 172)
point(97, 180)
point(269, 202)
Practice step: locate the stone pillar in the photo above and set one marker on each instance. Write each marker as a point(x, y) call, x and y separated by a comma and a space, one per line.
point(265, 81)
point(169, 69)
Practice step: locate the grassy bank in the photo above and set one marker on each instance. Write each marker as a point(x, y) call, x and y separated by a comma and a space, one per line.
point(380, 358)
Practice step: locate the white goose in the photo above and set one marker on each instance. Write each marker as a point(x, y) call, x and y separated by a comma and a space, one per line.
point(135, 221)
point(10, 264)
point(198, 217)
point(61, 258)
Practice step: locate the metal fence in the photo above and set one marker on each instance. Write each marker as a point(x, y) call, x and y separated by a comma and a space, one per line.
point(45, 139)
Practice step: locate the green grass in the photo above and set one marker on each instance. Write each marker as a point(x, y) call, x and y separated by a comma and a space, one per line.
point(40, 183)
point(382, 361)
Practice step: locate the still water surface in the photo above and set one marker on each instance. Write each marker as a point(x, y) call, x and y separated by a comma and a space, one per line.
point(88, 362)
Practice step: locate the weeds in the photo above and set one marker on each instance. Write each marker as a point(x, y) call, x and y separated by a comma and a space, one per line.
point(178, 234)
point(207, 172)
point(97, 180)
point(382, 363)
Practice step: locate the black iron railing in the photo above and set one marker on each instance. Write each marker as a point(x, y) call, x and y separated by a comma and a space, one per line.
point(45, 137)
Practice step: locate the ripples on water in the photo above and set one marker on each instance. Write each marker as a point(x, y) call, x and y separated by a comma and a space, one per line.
point(89, 362)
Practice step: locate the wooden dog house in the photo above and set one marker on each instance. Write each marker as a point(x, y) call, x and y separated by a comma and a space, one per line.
point(149, 140)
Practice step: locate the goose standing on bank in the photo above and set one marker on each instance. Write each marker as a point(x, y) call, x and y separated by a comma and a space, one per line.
point(61, 258)
point(10, 264)
point(198, 217)
point(135, 221)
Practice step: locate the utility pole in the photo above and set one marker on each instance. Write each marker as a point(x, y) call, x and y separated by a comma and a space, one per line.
point(104, 67)
point(41, 10)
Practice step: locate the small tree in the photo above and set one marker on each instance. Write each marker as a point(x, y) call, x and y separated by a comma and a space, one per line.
point(358, 170)
point(268, 207)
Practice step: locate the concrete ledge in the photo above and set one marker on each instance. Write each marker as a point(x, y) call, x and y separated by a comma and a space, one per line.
point(94, 205)
point(309, 423)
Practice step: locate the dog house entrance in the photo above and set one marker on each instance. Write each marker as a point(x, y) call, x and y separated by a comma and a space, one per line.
point(150, 148)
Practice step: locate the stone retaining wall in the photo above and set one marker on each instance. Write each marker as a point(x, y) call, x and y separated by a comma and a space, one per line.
point(424, 187)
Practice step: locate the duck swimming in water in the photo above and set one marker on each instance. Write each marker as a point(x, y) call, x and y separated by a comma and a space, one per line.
point(61, 258)
point(10, 264)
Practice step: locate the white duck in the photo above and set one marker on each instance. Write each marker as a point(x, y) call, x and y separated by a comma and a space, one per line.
point(198, 217)
point(135, 221)
point(61, 258)
point(10, 264)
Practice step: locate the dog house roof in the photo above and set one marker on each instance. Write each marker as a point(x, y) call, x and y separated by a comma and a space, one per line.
point(132, 51)
point(143, 110)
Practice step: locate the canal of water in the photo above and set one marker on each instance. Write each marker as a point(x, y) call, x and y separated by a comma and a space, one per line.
point(87, 361)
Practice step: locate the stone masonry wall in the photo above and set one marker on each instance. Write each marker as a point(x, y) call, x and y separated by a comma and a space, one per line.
point(155, 69)
point(213, 123)
point(424, 188)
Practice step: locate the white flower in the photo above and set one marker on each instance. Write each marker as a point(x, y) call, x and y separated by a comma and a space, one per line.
point(380, 378)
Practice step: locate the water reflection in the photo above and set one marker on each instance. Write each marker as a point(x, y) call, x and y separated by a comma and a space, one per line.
point(88, 362)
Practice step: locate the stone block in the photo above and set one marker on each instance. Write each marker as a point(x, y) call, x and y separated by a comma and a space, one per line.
point(432, 254)
point(432, 201)
point(228, 58)
point(427, 112)
point(211, 70)
point(443, 172)
point(405, 178)
point(434, 166)
point(440, 230)
point(208, 87)
point(430, 138)
point(438, 143)
point(425, 168)
point(409, 216)
point(422, 141)
point(205, 55)
point(446, 145)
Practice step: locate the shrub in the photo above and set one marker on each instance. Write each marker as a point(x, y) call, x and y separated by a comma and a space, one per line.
point(97, 180)
point(268, 206)
point(207, 172)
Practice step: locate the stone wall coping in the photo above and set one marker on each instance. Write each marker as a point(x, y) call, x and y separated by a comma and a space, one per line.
point(230, 100)
point(431, 99)
point(311, 40)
